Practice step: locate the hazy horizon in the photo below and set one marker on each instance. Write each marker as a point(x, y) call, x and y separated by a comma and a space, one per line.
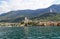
point(9, 5)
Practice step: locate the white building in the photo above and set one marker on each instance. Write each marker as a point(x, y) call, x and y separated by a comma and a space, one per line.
point(27, 20)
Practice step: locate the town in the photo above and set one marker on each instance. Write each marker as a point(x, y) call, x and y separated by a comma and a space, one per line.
point(28, 22)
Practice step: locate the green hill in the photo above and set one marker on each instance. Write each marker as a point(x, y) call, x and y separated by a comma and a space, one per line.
point(48, 17)
point(42, 17)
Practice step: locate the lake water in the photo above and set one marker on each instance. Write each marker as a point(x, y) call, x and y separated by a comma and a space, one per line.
point(32, 32)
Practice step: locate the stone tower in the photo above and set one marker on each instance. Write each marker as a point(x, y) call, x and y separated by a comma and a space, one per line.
point(26, 20)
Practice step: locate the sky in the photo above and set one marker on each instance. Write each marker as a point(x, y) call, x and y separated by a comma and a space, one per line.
point(10, 5)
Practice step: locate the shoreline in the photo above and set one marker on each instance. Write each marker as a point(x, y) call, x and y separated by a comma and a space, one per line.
point(30, 24)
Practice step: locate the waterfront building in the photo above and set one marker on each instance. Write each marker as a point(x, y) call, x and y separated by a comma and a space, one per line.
point(27, 20)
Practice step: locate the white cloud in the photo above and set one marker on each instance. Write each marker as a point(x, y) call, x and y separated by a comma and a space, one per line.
point(30, 4)
point(4, 7)
point(24, 4)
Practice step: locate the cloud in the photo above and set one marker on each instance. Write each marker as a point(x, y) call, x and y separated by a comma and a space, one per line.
point(9, 5)
point(4, 7)
point(56, 2)
point(30, 4)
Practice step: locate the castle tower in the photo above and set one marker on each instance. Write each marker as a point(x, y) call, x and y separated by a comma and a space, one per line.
point(26, 20)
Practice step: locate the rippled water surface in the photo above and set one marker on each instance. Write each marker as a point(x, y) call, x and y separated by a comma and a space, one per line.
point(32, 32)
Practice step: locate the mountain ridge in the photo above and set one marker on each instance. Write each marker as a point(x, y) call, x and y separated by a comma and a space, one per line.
point(12, 15)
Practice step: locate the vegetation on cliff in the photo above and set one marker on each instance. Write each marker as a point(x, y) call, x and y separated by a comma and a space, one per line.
point(42, 17)
point(48, 17)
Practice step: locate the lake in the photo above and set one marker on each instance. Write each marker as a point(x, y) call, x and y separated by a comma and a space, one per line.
point(30, 32)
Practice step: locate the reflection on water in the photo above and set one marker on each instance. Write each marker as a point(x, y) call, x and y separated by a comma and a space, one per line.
point(32, 32)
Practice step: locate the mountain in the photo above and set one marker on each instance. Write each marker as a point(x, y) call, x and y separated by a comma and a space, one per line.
point(48, 17)
point(20, 14)
point(43, 17)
